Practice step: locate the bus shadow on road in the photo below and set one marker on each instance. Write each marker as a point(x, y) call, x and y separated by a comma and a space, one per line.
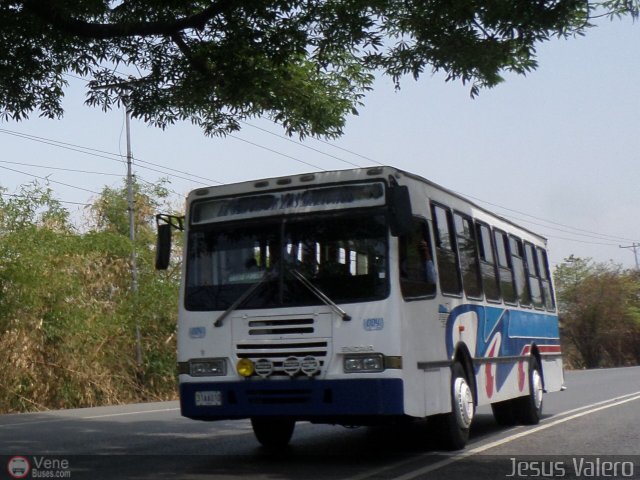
point(163, 450)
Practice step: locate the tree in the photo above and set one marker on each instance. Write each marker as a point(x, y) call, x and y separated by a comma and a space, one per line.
point(599, 308)
point(304, 64)
point(67, 316)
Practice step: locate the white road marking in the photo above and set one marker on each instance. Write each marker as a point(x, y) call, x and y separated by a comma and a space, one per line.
point(131, 413)
point(566, 416)
point(90, 417)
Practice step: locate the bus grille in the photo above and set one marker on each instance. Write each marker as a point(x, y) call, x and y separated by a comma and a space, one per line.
point(281, 326)
point(277, 352)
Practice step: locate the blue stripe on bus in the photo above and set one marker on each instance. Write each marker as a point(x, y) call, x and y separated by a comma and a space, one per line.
point(532, 325)
point(517, 328)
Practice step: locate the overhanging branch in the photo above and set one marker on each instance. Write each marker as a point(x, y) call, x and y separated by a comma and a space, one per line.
point(60, 20)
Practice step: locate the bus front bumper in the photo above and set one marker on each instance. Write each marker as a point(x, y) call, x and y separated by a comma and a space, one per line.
point(313, 400)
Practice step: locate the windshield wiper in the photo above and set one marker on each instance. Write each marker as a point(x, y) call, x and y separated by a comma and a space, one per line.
point(319, 293)
point(245, 296)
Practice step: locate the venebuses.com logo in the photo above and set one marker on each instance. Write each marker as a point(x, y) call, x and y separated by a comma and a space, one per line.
point(19, 466)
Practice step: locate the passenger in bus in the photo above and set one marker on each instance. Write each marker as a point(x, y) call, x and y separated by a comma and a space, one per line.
point(429, 267)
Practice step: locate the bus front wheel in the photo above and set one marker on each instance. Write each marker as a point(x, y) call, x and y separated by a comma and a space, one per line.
point(273, 432)
point(455, 426)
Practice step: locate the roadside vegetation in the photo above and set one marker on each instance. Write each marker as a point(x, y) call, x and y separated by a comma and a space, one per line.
point(599, 305)
point(68, 315)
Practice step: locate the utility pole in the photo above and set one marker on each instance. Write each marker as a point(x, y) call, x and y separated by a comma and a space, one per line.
point(132, 234)
point(634, 247)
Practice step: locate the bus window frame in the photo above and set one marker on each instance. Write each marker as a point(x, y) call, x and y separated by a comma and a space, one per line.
point(496, 268)
point(525, 285)
point(453, 250)
point(507, 252)
point(476, 256)
point(426, 230)
point(536, 274)
point(543, 262)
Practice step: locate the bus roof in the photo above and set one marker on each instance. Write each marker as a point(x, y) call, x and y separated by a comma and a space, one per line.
point(337, 176)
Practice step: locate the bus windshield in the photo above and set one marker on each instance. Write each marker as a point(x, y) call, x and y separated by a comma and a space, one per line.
point(344, 256)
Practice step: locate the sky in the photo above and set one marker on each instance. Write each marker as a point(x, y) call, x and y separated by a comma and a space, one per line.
point(557, 150)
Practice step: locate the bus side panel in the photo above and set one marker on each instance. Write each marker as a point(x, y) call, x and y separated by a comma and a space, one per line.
point(504, 338)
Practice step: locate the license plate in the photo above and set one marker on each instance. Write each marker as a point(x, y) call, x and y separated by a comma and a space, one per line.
point(209, 399)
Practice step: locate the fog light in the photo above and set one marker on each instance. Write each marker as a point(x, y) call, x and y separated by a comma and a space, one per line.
point(245, 367)
point(263, 367)
point(310, 366)
point(291, 366)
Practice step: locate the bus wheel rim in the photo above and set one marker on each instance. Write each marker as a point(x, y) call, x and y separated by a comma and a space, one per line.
point(463, 403)
point(536, 383)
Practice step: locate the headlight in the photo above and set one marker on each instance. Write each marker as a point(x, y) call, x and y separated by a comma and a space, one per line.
point(368, 363)
point(208, 367)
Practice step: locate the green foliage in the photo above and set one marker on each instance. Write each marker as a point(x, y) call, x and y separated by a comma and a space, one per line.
point(67, 314)
point(306, 64)
point(599, 307)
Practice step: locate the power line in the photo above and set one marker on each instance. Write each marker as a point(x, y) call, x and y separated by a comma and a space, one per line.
point(349, 151)
point(275, 151)
point(46, 179)
point(586, 233)
point(99, 153)
point(178, 171)
point(595, 237)
point(14, 195)
point(48, 167)
point(611, 237)
point(346, 150)
point(301, 144)
point(65, 145)
point(117, 157)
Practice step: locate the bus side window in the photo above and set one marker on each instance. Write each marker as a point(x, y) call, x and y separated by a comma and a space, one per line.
point(519, 272)
point(545, 277)
point(466, 241)
point(533, 274)
point(505, 269)
point(417, 271)
point(446, 255)
point(488, 266)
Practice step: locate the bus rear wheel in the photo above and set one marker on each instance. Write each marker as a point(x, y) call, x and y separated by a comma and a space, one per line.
point(529, 408)
point(455, 426)
point(273, 432)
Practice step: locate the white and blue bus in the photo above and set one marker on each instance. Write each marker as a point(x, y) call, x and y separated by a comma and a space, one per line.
point(359, 297)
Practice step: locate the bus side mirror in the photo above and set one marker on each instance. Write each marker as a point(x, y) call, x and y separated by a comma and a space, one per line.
point(163, 246)
point(400, 214)
point(163, 241)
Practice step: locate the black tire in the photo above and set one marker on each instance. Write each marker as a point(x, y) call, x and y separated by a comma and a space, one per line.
point(504, 413)
point(529, 408)
point(455, 426)
point(273, 432)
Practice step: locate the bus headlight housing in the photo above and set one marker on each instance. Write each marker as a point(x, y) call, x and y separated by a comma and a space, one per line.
point(364, 363)
point(208, 367)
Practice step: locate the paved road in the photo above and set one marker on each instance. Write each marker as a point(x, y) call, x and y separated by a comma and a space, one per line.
point(597, 420)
